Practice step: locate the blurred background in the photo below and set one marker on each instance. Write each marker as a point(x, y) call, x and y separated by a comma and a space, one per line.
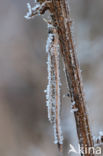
point(24, 126)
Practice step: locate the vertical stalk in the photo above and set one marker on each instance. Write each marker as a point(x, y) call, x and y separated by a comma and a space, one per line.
point(59, 12)
point(62, 22)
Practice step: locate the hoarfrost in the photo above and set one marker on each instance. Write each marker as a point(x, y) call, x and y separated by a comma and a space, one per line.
point(32, 11)
point(37, 6)
point(73, 103)
point(49, 42)
point(29, 11)
point(74, 110)
point(56, 140)
point(53, 87)
point(49, 88)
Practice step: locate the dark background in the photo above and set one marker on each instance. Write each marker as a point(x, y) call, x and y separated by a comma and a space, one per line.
point(24, 127)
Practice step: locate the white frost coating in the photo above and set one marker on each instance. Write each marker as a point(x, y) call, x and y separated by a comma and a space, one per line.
point(49, 42)
point(73, 103)
point(50, 93)
point(49, 88)
point(53, 87)
point(56, 140)
point(29, 8)
point(58, 126)
point(55, 134)
point(74, 110)
point(29, 11)
point(35, 9)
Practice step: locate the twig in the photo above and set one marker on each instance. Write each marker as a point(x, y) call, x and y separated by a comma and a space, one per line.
point(62, 23)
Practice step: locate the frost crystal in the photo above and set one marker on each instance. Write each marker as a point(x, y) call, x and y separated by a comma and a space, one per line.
point(29, 11)
point(73, 103)
point(74, 110)
point(36, 7)
point(49, 90)
point(32, 11)
point(53, 88)
point(49, 42)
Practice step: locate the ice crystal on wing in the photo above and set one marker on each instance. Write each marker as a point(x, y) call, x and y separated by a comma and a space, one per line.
point(50, 96)
point(55, 134)
point(53, 87)
point(58, 139)
point(50, 89)
point(49, 42)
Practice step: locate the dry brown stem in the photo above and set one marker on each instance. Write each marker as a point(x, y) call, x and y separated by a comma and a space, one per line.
point(62, 23)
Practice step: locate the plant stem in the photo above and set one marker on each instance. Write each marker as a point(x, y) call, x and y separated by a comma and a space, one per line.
point(62, 22)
